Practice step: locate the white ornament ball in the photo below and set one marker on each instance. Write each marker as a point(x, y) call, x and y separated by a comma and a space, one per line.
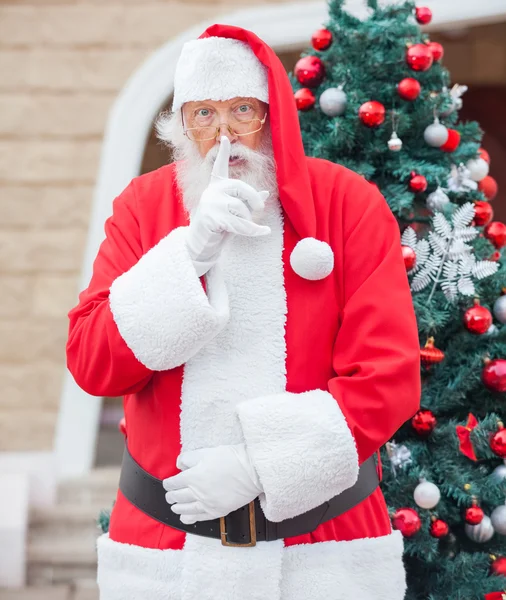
point(498, 518)
point(333, 102)
point(437, 200)
point(427, 494)
point(478, 168)
point(492, 330)
point(499, 309)
point(395, 143)
point(312, 259)
point(481, 533)
point(499, 473)
point(436, 134)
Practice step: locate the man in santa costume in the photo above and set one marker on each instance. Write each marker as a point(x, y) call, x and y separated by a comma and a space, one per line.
point(252, 307)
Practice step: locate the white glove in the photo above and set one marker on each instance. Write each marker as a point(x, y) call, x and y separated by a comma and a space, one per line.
point(225, 208)
point(215, 482)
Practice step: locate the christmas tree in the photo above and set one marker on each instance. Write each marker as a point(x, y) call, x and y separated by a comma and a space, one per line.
point(374, 96)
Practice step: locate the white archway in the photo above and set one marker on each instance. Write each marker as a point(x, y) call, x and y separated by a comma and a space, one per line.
point(284, 27)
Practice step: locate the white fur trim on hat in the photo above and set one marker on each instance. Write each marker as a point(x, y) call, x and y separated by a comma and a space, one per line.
point(312, 259)
point(218, 69)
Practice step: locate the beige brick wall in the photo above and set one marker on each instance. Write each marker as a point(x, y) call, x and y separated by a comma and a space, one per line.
point(62, 63)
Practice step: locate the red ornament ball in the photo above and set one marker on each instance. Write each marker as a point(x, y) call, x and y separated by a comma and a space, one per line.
point(494, 375)
point(439, 528)
point(496, 233)
point(122, 426)
point(474, 515)
point(498, 443)
point(437, 50)
point(372, 113)
point(423, 15)
point(498, 567)
point(417, 183)
point(495, 256)
point(453, 141)
point(321, 39)
point(477, 319)
point(409, 256)
point(419, 57)
point(488, 185)
point(430, 355)
point(407, 521)
point(304, 99)
point(409, 88)
point(483, 213)
point(424, 422)
point(484, 154)
point(310, 71)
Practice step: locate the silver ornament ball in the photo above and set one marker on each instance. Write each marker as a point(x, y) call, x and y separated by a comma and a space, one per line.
point(333, 102)
point(427, 494)
point(481, 533)
point(478, 168)
point(437, 200)
point(395, 143)
point(436, 134)
point(499, 473)
point(498, 518)
point(492, 330)
point(499, 309)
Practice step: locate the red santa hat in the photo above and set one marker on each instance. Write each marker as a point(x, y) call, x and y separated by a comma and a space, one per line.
point(227, 62)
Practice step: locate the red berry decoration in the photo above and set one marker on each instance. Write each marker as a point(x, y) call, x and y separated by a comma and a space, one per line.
point(407, 521)
point(310, 71)
point(321, 39)
point(372, 113)
point(430, 355)
point(423, 15)
point(496, 233)
point(488, 185)
point(417, 183)
point(498, 567)
point(122, 426)
point(304, 99)
point(419, 57)
point(498, 442)
point(477, 319)
point(453, 141)
point(409, 256)
point(495, 256)
point(484, 154)
point(437, 50)
point(424, 422)
point(494, 375)
point(483, 213)
point(409, 88)
point(439, 528)
point(474, 515)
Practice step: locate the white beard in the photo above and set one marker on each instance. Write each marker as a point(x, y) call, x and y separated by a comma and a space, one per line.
point(193, 171)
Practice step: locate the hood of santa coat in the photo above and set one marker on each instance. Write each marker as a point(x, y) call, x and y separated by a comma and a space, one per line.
point(295, 192)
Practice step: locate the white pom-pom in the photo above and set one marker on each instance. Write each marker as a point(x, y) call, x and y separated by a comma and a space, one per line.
point(312, 259)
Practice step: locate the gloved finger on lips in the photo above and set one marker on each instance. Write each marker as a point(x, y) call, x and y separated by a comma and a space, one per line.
point(191, 508)
point(220, 168)
point(184, 495)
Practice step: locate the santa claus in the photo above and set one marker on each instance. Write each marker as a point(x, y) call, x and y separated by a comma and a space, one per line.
point(252, 307)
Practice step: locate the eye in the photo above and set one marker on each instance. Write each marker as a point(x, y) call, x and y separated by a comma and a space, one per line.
point(203, 112)
point(244, 109)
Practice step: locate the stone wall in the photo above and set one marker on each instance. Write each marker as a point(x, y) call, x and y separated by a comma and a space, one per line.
point(62, 63)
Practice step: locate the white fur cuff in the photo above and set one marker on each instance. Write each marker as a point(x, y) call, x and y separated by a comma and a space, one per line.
point(302, 449)
point(161, 309)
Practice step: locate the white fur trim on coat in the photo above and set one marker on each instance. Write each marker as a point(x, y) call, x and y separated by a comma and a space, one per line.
point(312, 259)
point(218, 69)
point(161, 309)
point(302, 449)
point(361, 569)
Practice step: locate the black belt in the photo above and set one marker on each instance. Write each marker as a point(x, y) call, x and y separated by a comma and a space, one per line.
point(247, 525)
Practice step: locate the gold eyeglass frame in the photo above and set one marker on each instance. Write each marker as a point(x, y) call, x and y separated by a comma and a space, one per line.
point(218, 128)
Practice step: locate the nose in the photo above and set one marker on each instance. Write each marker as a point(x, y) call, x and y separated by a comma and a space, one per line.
point(226, 131)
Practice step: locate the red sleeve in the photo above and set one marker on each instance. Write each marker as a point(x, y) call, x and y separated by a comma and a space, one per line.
point(377, 351)
point(97, 356)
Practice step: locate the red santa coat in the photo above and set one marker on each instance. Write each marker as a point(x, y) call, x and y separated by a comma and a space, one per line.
point(313, 375)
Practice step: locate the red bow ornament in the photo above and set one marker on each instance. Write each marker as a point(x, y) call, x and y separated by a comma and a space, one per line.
point(464, 435)
point(496, 596)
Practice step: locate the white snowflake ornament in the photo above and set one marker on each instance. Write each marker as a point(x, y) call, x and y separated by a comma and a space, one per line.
point(445, 259)
point(312, 259)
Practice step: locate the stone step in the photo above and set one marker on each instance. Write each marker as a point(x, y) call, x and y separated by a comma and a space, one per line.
point(82, 589)
point(66, 517)
point(98, 487)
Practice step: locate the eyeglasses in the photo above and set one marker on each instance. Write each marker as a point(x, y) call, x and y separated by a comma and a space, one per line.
point(236, 128)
